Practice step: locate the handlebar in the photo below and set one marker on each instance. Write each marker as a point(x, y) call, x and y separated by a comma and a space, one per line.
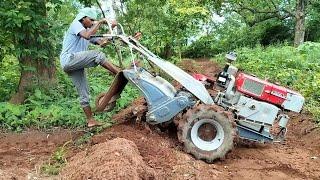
point(112, 31)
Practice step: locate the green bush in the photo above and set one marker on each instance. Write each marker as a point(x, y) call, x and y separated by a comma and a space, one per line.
point(9, 77)
point(45, 108)
point(233, 33)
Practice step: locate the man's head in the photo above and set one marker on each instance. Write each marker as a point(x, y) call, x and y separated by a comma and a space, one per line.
point(86, 16)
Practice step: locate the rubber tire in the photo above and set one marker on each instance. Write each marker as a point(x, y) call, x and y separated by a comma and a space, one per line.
point(222, 150)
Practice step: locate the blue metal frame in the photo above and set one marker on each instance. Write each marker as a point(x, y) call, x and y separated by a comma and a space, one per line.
point(163, 100)
point(247, 133)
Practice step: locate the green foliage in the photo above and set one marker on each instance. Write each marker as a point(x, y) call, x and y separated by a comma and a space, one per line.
point(313, 107)
point(9, 77)
point(274, 32)
point(27, 28)
point(224, 37)
point(45, 108)
point(296, 68)
point(256, 11)
point(248, 23)
point(312, 23)
point(233, 33)
point(56, 161)
point(12, 117)
point(84, 139)
point(165, 28)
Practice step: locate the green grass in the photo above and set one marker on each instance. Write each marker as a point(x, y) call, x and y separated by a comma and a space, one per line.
point(56, 162)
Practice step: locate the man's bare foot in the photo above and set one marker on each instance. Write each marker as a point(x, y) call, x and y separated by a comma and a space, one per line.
point(92, 123)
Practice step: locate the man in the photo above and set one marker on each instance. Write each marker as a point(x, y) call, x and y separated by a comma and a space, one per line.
point(75, 56)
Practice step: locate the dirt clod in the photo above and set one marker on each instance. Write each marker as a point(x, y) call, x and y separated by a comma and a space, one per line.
point(115, 159)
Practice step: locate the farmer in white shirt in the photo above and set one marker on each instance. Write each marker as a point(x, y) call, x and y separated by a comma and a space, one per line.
point(75, 56)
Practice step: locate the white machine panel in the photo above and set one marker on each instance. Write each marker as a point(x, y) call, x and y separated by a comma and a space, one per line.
point(256, 111)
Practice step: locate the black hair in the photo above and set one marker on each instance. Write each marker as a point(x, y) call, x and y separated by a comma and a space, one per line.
point(81, 20)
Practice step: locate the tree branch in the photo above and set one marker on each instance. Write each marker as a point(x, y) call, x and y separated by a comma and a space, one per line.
point(263, 14)
point(252, 10)
point(101, 9)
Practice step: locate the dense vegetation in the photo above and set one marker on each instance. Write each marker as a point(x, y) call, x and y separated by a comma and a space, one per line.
point(267, 35)
point(47, 107)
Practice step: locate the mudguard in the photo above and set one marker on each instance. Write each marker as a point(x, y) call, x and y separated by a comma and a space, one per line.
point(186, 80)
point(191, 84)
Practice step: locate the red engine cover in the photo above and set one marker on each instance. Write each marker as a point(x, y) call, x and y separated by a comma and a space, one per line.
point(203, 78)
point(260, 89)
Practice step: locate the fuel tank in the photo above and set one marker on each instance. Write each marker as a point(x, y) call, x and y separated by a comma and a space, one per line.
point(269, 92)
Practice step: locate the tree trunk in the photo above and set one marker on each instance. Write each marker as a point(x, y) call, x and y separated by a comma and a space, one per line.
point(167, 52)
point(34, 73)
point(300, 22)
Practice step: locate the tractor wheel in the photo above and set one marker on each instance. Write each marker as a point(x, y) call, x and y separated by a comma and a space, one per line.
point(207, 133)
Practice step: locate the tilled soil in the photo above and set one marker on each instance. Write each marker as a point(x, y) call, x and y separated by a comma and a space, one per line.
point(297, 158)
point(117, 158)
point(154, 153)
point(22, 154)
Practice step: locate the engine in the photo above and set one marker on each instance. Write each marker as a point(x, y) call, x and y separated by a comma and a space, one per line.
point(268, 92)
point(259, 106)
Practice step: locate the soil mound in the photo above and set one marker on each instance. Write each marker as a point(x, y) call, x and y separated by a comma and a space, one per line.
point(6, 175)
point(115, 159)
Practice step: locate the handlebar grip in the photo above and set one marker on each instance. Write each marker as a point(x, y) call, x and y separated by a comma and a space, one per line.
point(94, 36)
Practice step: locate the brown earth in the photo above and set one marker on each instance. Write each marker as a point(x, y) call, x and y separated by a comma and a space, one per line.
point(22, 154)
point(149, 153)
point(117, 158)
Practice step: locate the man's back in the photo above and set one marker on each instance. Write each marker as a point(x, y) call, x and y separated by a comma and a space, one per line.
point(72, 42)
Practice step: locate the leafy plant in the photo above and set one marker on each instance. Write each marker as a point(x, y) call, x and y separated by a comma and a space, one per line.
point(45, 108)
point(12, 116)
point(9, 77)
point(56, 161)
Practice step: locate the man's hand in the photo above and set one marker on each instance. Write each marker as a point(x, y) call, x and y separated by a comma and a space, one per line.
point(137, 35)
point(103, 21)
point(91, 31)
point(114, 23)
point(106, 21)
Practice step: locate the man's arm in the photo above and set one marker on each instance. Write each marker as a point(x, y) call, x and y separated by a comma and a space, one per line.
point(86, 33)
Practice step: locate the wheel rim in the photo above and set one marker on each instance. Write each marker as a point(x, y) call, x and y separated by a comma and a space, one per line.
point(207, 134)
